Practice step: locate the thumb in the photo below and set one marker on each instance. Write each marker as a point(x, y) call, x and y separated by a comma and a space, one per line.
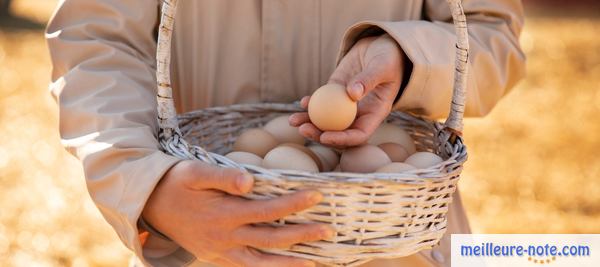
point(364, 82)
point(230, 180)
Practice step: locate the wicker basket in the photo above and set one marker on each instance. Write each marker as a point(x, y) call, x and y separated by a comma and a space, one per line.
point(375, 215)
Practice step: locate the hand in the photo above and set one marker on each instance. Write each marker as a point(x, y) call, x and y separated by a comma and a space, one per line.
point(198, 206)
point(372, 73)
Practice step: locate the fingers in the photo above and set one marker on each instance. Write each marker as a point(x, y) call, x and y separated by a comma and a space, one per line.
point(302, 120)
point(305, 127)
point(357, 134)
point(269, 210)
point(232, 181)
point(281, 237)
point(223, 262)
point(350, 137)
point(304, 102)
point(311, 131)
point(251, 257)
point(298, 119)
point(364, 82)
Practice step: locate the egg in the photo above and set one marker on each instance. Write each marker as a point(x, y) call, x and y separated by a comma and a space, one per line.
point(331, 109)
point(255, 141)
point(282, 131)
point(244, 158)
point(395, 167)
point(290, 158)
point(423, 160)
point(363, 159)
point(337, 168)
point(389, 133)
point(396, 152)
point(328, 157)
point(308, 152)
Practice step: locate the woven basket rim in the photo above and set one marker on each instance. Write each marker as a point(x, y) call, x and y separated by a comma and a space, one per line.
point(413, 177)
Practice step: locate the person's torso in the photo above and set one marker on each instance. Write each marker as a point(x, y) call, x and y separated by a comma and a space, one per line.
point(232, 51)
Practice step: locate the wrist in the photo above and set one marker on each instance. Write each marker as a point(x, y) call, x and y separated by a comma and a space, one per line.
point(405, 65)
point(145, 226)
point(154, 208)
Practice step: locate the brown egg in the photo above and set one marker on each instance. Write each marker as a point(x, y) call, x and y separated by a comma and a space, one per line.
point(255, 141)
point(244, 158)
point(282, 131)
point(363, 159)
point(331, 108)
point(289, 158)
point(396, 152)
point(395, 167)
point(337, 168)
point(308, 152)
point(389, 133)
point(328, 157)
point(423, 160)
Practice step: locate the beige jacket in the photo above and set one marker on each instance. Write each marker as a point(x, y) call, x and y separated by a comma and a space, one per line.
point(243, 51)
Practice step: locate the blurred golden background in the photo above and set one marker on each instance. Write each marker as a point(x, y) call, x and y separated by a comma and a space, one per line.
point(534, 165)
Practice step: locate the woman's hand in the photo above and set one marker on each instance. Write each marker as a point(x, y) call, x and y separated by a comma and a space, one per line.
point(372, 73)
point(198, 206)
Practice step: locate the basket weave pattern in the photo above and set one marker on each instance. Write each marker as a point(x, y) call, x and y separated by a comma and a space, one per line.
point(375, 215)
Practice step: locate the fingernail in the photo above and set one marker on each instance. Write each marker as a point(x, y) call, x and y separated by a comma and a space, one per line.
point(244, 182)
point(327, 233)
point(357, 90)
point(315, 136)
point(315, 197)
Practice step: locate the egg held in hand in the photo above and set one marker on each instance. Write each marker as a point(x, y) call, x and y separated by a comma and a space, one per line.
point(363, 159)
point(282, 131)
point(255, 141)
point(331, 109)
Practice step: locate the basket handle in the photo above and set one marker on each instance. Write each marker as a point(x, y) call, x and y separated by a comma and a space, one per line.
point(167, 119)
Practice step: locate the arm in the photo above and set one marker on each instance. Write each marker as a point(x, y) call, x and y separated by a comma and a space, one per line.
point(496, 60)
point(409, 65)
point(104, 80)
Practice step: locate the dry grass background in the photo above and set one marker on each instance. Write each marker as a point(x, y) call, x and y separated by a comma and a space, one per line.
point(533, 168)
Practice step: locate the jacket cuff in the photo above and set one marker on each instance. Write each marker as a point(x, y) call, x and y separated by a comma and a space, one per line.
point(423, 94)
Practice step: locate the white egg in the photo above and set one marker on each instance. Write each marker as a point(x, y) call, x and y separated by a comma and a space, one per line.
point(328, 157)
point(245, 158)
point(308, 152)
point(289, 158)
point(255, 141)
point(337, 168)
point(363, 159)
point(395, 167)
point(389, 133)
point(396, 152)
point(423, 160)
point(282, 131)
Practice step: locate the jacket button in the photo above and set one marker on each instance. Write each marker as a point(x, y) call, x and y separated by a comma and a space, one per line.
point(438, 256)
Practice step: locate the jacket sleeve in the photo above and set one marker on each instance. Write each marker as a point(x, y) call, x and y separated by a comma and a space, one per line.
point(104, 81)
point(496, 61)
